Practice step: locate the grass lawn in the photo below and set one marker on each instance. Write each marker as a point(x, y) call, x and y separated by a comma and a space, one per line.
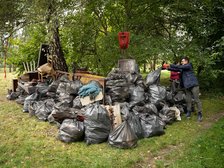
point(207, 150)
point(27, 142)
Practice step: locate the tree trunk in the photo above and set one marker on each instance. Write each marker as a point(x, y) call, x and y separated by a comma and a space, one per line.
point(59, 62)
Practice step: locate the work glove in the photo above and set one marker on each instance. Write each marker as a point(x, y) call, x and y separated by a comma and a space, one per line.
point(90, 89)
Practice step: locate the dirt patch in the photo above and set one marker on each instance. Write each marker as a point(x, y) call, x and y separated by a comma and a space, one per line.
point(207, 123)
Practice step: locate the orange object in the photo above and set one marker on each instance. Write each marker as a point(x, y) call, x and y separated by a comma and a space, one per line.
point(165, 66)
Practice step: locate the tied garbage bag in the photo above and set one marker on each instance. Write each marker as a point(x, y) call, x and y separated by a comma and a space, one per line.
point(66, 99)
point(116, 74)
point(62, 111)
point(77, 103)
point(151, 109)
point(92, 89)
point(138, 109)
point(33, 107)
point(167, 115)
point(118, 83)
point(75, 86)
point(69, 88)
point(97, 124)
point(179, 97)
point(153, 78)
point(71, 131)
point(118, 94)
point(123, 136)
point(12, 95)
point(21, 99)
point(44, 110)
point(169, 97)
point(135, 124)
point(157, 93)
point(42, 89)
point(53, 86)
point(29, 100)
point(151, 125)
point(132, 77)
point(137, 96)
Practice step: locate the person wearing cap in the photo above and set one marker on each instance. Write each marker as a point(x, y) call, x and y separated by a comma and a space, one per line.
point(190, 83)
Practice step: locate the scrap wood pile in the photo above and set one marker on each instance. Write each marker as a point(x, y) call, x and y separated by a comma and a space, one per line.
point(145, 107)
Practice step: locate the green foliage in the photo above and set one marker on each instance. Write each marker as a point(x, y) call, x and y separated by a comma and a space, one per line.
point(160, 31)
point(26, 49)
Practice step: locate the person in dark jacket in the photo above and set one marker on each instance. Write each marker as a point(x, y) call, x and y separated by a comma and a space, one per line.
point(190, 83)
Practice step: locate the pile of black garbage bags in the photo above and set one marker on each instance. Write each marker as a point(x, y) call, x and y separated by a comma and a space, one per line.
point(146, 108)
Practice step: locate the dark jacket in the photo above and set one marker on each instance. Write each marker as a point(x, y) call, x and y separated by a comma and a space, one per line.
point(188, 77)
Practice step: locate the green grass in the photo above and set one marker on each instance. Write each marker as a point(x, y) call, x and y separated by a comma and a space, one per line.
point(27, 142)
point(206, 150)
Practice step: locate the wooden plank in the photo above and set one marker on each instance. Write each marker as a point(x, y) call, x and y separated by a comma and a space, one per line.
point(117, 115)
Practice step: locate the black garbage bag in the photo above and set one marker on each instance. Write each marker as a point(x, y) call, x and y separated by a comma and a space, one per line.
point(141, 83)
point(167, 115)
point(108, 100)
point(153, 78)
point(66, 99)
point(21, 99)
point(182, 108)
point(150, 109)
point(33, 107)
point(64, 78)
point(97, 124)
point(118, 83)
point(123, 136)
point(53, 86)
point(42, 89)
point(77, 103)
point(44, 110)
point(137, 97)
point(169, 97)
point(132, 77)
point(51, 120)
point(116, 74)
point(138, 109)
point(118, 94)
point(151, 125)
point(124, 110)
point(12, 95)
point(157, 93)
point(74, 87)
point(179, 97)
point(135, 124)
point(69, 88)
point(62, 111)
point(71, 130)
point(52, 95)
point(29, 100)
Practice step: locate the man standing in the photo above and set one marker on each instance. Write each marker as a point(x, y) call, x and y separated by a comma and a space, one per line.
point(190, 83)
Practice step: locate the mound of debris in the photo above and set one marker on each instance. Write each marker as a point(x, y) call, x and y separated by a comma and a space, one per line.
point(130, 107)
